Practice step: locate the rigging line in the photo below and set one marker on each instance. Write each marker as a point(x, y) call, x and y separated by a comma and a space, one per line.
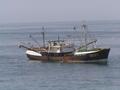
point(77, 34)
point(30, 36)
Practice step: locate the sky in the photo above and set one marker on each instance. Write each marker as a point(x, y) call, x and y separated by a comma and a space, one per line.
point(12, 11)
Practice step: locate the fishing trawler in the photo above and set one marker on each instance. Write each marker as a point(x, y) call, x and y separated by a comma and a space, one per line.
point(60, 51)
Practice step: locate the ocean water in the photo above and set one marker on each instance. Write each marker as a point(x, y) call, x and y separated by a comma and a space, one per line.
point(18, 73)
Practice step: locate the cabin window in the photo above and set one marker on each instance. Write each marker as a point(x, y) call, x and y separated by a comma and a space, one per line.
point(55, 43)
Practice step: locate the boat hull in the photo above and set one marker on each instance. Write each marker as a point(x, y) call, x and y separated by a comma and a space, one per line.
point(93, 57)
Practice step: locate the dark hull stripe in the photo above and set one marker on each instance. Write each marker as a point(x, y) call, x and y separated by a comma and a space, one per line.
point(92, 57)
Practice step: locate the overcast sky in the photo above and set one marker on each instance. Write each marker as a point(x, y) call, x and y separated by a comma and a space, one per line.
point(58, 10)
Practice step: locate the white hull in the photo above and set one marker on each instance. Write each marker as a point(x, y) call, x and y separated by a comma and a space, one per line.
point(30, 52)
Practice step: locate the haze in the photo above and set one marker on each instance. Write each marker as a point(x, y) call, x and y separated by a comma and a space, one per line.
point(58, 10)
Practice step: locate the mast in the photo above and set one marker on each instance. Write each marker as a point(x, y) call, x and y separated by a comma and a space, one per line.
point(85, 34)
point(87, 37)
point(43, 34)
point(58, 38)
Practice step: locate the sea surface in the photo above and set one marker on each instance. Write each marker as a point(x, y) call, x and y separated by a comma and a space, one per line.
point(18, 73)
